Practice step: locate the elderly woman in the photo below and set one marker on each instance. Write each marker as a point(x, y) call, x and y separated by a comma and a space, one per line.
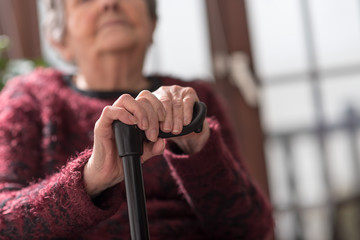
point(60, 175)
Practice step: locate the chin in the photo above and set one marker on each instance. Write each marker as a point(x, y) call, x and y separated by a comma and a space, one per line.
point(117, 41)
point(114, 46)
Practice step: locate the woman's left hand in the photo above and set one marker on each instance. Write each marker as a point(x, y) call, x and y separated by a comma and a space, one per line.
point(178, 103)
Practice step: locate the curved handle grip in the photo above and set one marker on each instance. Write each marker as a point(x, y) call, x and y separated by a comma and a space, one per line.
point(199, 114)
point(129, 138)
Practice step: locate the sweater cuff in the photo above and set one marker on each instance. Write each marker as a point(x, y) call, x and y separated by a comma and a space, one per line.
point(212, 156)
point(86, 210)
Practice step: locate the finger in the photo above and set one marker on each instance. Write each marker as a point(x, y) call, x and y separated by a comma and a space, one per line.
point(189, 98)
point(153, 130)
point(155, 102)
point(188, 110)
point(110, 114)
point(167, 124)
point(131, 105)
point(178, 115)
point(152, 149)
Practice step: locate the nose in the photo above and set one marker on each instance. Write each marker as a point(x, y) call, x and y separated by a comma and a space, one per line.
point(110, 5)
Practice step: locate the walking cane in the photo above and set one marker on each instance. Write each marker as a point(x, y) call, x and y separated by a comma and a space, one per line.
point(129, 141)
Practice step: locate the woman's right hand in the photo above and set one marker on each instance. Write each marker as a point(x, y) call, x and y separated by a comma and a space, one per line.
point(104, 168)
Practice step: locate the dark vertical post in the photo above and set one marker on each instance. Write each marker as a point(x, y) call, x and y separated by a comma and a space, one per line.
point(228, 29)
point(19, 21)
point(292, 184)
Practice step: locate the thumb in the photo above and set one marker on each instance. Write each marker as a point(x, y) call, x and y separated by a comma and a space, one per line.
point(152, 149)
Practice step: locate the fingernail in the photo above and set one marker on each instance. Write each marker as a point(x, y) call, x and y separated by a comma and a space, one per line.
point(176, 128)
point(167, 126)
point(153, 135)
point(186, 121)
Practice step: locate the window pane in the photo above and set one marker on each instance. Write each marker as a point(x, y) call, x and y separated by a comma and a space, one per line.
point(278, 175)
point(341, 165)
point(309, 175)
point(287, 106)
point(340, 93)
point(285, 226)
point(277, 37)
point(336, 26)
point(317, 224)
point(181, 45)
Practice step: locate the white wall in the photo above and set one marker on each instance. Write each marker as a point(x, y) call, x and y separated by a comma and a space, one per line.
point(181, 45)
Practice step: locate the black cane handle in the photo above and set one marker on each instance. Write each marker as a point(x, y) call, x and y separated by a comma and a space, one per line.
point(129, 138)
point(199, 114)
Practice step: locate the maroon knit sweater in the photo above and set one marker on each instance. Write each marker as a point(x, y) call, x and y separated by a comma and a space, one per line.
point(46, 135)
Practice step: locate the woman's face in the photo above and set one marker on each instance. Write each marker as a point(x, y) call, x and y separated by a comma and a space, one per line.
point(99, 27)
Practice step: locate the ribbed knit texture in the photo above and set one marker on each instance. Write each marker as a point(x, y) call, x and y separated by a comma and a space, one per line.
point(46, 134)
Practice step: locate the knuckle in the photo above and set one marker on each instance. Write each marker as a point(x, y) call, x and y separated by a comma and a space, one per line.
point(189, 90)
point(143, 101)
point(177, 103)
point(106, 110)
point(163, 88)
point(175, 88)
point(144, 93)
point(125, 97)
point(97, 125)
point(188, 100)
point(165, 100)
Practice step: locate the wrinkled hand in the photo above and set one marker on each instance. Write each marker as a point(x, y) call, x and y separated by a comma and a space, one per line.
point(179, 103)
point(168, 109)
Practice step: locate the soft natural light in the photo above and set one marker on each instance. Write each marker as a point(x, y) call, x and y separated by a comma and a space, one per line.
point(181, 42)
point(277, 37)
point(337, 32)
point(305, 110)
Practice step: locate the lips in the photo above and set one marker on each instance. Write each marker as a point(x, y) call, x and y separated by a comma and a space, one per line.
point(113, 23)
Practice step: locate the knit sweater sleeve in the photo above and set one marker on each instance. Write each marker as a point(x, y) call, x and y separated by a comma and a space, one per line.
point(216, 184)
point(34, 206)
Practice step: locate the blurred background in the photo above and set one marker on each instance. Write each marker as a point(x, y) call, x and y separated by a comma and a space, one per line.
point(289, 71)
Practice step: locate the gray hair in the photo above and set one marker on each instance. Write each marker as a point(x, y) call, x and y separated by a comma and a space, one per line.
point(55, 17)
